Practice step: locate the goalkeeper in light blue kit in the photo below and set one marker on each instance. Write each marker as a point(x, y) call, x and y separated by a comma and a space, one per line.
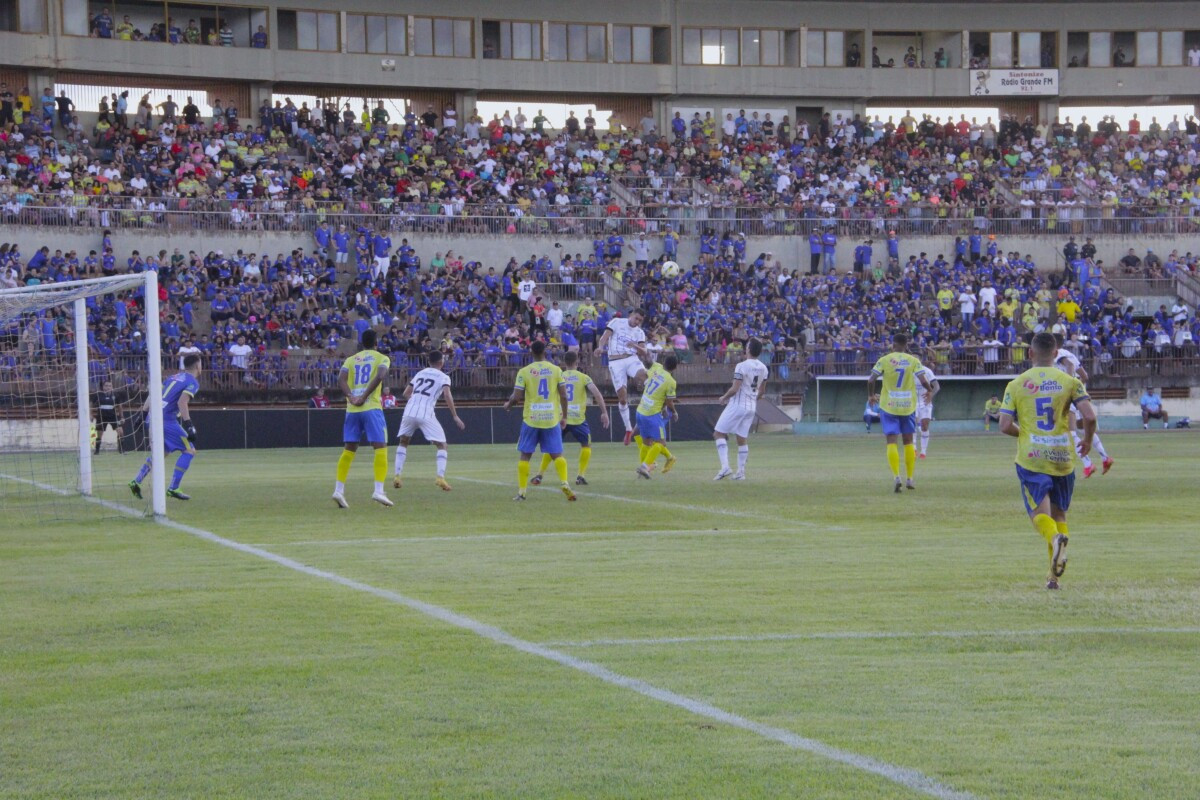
point(179, 434)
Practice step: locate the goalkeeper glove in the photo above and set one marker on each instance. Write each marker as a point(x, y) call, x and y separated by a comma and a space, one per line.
point(191, 431)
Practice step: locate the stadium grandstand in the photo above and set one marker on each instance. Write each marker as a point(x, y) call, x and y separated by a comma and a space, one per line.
point(802, 180)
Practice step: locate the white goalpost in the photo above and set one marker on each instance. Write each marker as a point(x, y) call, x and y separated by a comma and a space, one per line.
point(46, 417)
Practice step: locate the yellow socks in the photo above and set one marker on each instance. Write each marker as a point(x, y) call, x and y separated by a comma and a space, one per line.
point(545, 463)
point(560, 466)
point(522, 475)
point(344, 462)
point(585, 458)
point(652, 454)
point(1062, 527)
point(665, 452)
point(380, 464)
point(910, 459)
point(642, 449)
point(1047, 528)
point(893, 459)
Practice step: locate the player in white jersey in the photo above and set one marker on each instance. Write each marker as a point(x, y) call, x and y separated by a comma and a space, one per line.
point(625, 342)
point(749, 383)
point(422, 395)
point(925, 405)
point(1069, 363)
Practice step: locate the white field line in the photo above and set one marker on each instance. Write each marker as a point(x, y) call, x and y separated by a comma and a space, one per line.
point(823, 635)
point(477, 537)
point(729, 512)
point(903, 776)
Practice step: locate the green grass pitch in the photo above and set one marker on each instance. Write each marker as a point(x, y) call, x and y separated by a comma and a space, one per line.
point(137, 660)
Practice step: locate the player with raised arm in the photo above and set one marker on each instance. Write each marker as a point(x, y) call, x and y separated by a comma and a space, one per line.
point(179, 434)
point(659, 395)
point(1069, 363)
point(900, 372)
point(625, 342)
point(1036, 410)
point(422, 395)
point(741, 409)
point(925, 406)
point(578, 386)
point(360, 379)
point(545, 395)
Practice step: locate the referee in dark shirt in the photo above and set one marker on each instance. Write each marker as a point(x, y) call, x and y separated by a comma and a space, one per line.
point(106, 415)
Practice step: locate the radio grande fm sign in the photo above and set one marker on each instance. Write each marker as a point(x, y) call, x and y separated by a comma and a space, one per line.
point(1002, 82)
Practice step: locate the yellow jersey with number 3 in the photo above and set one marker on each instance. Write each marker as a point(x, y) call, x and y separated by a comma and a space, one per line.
point(539, 381)
point(1040, 399)
point(577, 384)
point(898, 372)
point(360, 370)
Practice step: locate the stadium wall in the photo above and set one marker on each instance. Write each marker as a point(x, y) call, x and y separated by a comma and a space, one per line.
point(496, 249)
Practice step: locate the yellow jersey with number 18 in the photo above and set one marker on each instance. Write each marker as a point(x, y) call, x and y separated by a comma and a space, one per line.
point(1040, 399)
point(898, 372)
point(539, 381)
point(360, 370)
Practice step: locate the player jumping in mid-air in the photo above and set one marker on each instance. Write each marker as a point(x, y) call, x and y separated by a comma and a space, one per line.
point(925, 406)
point(179, 434)
point(361, 377)
point(1069, 363)
point(578, 386)
point(900, 372)
point(422, 395)
point(625, 342)
point(545, 394)
point(659, 395)
point(1036, 410)
point(742, 396)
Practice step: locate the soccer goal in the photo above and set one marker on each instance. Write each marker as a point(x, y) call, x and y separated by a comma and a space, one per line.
point(78, 361)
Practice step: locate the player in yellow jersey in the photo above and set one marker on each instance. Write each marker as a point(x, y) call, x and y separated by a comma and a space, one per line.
point(991, 412)
point(658, 394)
point(1037, 411)
point(900, 372)
point(541, 384)
point(361, 376)
point(579, 385)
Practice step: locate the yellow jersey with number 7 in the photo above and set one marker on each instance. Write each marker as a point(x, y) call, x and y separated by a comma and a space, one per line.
point(1040, 399)
point(898, 372)
point(539, 381)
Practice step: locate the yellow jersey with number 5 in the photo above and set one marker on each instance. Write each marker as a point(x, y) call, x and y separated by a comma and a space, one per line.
point(539, 381)
point(898, 372)
point(1040, 399)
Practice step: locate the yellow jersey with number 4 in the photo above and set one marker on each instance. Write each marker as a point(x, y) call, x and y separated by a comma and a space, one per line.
point(577, 384)
point(1040, 399)
point(540, 381)
point(898, 372)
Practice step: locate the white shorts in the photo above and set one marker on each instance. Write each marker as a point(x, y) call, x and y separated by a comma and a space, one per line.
point(341, 257)
point(735, 420)
point(924, 411)
point(623, 370)
point(382, 263)
point(430, 427)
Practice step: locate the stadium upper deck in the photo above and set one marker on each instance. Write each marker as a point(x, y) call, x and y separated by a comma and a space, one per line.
point(634, 55)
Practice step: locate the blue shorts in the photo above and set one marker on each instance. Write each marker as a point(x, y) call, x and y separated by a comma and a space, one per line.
point(549, 439)
point(651, 427)
point(582, 433)
point(175, 438)
point(368, 424)
point(894, 426)
point(1035, 486)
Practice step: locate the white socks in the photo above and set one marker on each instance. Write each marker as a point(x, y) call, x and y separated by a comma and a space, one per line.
point(1098, 446)
point(743, 456)
point(442, 457)
point(624, 409)
point(924, 441)
point(401, 455)
point(339, 487)
point(723, 453)
point(378, 487)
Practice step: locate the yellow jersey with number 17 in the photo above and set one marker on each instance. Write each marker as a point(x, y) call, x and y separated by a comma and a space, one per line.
point(577, 384)
point(660, 387)
point(899, 375)
point(360, 370)
point(539, 381)
point(1040, 400)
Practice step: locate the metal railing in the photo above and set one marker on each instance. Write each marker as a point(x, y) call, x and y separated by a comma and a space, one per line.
point(255, 216)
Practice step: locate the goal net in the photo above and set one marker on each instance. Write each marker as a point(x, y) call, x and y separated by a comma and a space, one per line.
point(79, 361)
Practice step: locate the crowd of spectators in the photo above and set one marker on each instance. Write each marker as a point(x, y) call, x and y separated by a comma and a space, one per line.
point(103, 25)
